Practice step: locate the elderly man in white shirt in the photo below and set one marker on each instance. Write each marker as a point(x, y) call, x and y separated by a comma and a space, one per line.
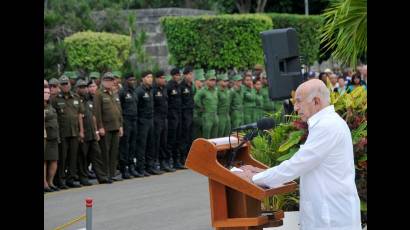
point(325, 165)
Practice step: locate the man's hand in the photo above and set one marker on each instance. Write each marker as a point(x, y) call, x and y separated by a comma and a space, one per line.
point(121, 131)
point(102, 132)
point(81, 136)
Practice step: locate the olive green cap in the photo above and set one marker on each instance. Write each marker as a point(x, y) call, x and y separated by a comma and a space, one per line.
point(223, 77)
point(71, 74)
point(94, 75)
point(117, 73)
point(108, 75)
point(53, 81)
point(237, 77)
point(199, 74)
point(63, 79)
point(81, 82)
point(211, 74)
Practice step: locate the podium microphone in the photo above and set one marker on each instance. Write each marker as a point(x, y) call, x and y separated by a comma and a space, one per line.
point(262, 124)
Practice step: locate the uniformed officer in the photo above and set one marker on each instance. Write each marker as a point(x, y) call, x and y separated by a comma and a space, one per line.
point(187, 101)
point(207, 101)
point(258, 112)
point(108, 114)
point(51, 147)
point(257, 70)
point(89, 147)
point(145, 139)
point(236, 110)
point(117, 83)
point(161, 122)
point(70, 112)
point(95, 76)
point(54, 87)
point(129, 105)
point(174, 117)
point(269, 106)
point(199, 82)
point(249, 100)
point(224, 100)
point(72, 75)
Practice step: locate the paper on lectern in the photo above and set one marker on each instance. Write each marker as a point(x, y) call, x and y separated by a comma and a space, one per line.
point(224, 140)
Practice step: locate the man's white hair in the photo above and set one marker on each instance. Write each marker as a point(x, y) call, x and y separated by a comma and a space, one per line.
point(320, 91)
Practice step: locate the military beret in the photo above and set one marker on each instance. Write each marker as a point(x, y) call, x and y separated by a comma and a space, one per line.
point(117, 73)
point(237, 77)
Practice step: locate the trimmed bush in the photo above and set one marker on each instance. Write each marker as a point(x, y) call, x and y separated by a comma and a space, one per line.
point(220, 42)
point(228, 41)
point(307, 28)
point(92, 51)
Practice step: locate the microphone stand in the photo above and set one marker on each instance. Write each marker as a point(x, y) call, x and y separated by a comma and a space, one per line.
point(231, 157)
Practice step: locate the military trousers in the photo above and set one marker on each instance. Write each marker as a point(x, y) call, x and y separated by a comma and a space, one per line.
point(128, 142)
point(236, 118)
point(91, 150)
point(210, 125)
point(187, 130)
point(145, 144)
point(160, 136)
point(174, 134)
point(248, 115)
point(67, 159)
point(197, 128)
point(224, 124)
point(110, 152)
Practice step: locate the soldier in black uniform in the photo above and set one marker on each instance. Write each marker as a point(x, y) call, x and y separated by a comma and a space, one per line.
point(187, 96)
point(145, 139)
point(161, 122)
point(129, 105)
point(174, 117)
point(89, 147)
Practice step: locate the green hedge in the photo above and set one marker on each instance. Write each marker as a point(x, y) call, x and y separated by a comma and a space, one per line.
point(220, 42)
point(92, 51)
point(227, 41)
point(307, 28)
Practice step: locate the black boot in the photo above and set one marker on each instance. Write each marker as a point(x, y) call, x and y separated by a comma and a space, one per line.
point(124, 173)
point(72, 184)
point(134, 172)
point(84, 182)
point(165, 167)
point(153, 171)
point(178, 165)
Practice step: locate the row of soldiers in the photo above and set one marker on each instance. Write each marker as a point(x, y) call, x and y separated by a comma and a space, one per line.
point(136, 128)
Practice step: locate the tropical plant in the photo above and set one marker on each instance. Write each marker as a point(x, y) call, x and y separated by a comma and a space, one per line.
point(345, 30)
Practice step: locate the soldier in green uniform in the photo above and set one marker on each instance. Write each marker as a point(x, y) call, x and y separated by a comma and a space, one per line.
point(54, 87)
point(117, 82)
point(258, 112)
point(199, 82)
point(249, 100)
point(236, 102)
point(207, 101)
point(89, 146)
point(224, 101)
point(108, 114)
point(95, 76)
point(70, 112)
point(269, 106)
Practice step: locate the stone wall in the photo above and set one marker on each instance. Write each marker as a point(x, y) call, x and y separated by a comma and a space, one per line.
point(148, 20)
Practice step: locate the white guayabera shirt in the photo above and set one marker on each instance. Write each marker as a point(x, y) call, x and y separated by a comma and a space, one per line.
point(325, 165)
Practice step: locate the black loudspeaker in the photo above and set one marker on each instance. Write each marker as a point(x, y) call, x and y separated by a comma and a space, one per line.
point(282, 61)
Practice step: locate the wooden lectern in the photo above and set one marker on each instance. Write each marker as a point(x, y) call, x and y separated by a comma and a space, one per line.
point(235, 202)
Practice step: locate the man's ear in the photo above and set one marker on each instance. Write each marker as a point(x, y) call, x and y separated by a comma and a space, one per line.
point(317, 100)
